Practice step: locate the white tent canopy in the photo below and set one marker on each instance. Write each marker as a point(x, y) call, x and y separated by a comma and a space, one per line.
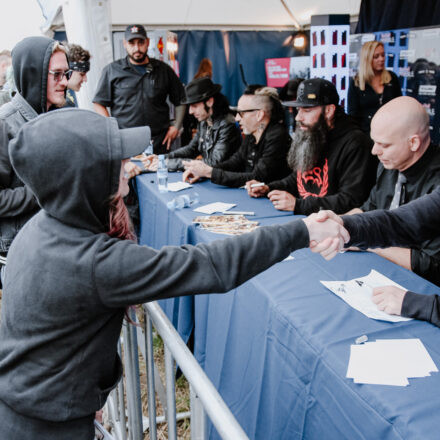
point(225, 14)
point(89, 22)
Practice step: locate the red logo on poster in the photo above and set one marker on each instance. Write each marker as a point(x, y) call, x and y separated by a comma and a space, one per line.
point(160, 45)
point(277, 71)
point(317, 177)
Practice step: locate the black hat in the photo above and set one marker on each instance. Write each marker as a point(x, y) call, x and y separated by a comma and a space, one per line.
point(314, 92)
point(135, 31)
point(200, 89)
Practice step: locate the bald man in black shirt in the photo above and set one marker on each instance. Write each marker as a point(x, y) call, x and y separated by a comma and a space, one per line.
point(400, 130)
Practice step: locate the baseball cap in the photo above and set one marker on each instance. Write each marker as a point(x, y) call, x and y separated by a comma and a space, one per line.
point(314, 92)
point(135, 31)
point(134, 140)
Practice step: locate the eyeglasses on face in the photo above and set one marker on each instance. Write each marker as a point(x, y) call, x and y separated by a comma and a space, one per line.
point(240, 112)
point(58, 75)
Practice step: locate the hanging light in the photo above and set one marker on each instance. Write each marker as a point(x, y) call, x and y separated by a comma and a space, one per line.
point(299, 40)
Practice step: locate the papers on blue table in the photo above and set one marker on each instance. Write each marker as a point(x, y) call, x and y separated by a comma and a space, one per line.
point(211, 208)
point(389, 362)
point(178, 186)
point(358, 292)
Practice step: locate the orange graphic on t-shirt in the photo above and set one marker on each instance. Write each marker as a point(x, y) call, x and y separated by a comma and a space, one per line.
point(316, 176)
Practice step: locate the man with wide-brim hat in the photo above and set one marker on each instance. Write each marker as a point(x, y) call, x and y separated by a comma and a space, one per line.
point(217, 136)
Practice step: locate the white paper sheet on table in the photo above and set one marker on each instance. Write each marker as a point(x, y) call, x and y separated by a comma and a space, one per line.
point(389, 362)
point(178, 186)
point(358, 292)
point(211, 208)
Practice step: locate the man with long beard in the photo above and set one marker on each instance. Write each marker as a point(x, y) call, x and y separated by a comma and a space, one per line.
point(136, 88)
point(332, 167)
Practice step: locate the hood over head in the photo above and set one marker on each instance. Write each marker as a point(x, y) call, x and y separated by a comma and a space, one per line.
point(30, 63)
point(71, 160)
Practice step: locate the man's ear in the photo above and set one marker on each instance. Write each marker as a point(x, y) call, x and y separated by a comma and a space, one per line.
point(210, 102)
point(414, 142)
point(260, 115)
point(329, 112)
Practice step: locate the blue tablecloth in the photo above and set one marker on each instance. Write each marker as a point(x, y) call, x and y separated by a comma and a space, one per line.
point(277, 348)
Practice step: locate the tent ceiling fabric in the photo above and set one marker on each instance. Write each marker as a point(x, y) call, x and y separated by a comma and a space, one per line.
point(204, 14)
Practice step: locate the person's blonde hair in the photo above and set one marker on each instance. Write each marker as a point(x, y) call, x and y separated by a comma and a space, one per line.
point(58, 47)
point(366, 73)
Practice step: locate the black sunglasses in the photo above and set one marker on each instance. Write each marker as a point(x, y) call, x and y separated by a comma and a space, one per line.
point(240, 112)
point(58, 75)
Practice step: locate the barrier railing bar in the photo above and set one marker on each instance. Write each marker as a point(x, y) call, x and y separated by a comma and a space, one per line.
point(132, 377)
point(171, 397)
point(199, 427)
point(104, 434)
point(162, 419)
point(220, 415)
point(160, 389)
point(119, 393)
point(149, 363)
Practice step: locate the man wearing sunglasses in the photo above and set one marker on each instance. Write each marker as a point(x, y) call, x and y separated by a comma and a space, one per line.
point(41, 73)
point(263, 151)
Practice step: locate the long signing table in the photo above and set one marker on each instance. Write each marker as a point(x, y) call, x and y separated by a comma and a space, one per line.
point(277, 348)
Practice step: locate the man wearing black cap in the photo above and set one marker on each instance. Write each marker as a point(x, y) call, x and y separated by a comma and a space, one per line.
point(79, 63)
point(329, 156)
point(217, 136)
point(136, 89)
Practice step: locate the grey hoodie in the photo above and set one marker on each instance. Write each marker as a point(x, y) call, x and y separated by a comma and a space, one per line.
point(67, 282)
point(30, 60)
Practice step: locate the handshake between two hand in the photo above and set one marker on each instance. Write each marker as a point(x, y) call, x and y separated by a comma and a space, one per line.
point(327, 233)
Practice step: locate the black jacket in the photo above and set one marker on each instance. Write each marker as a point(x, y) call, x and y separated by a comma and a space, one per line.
point(422, 178)
point(363, 104)
point(406, 226)
point(215, 143)
point(58, 353)
point(265, 161)
point(343, 177)
point(30, 60)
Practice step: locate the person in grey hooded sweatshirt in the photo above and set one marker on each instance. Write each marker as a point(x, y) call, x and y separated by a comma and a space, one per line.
point(71, 273)
point(40, 73)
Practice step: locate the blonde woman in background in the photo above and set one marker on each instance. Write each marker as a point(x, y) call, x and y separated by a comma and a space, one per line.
point(372, 86)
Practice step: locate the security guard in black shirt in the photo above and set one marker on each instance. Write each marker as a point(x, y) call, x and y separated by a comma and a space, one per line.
point(136, 89)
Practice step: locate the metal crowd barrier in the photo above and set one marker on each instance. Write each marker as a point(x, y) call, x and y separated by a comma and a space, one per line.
point(128, 422)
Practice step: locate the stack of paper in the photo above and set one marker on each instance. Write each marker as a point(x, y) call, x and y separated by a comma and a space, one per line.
point(210, 208)
point(178, 186)
point(389, 362)
point(226, 224)
point(359, 291)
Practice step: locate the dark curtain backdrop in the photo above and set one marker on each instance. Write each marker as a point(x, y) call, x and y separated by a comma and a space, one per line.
point(379, 15)
point(247, 48)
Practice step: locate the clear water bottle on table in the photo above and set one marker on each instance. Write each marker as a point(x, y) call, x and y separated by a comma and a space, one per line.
point(183, 201)
point(162, 174)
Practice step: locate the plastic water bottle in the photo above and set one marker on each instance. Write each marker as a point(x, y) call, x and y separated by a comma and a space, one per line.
point(183, 201)
point(162, 174)
point(149, 150)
